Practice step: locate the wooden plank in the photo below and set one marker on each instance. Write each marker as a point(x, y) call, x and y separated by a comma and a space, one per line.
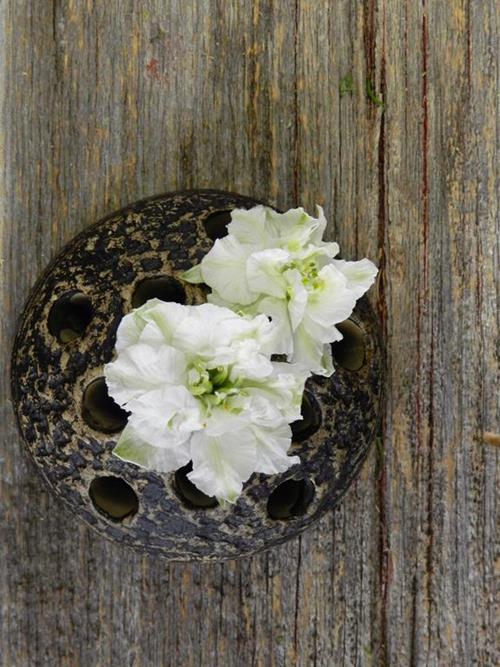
point(103, 103)
point(439, 237)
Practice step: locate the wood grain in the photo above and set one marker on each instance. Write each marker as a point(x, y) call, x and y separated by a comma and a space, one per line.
point(106, 102)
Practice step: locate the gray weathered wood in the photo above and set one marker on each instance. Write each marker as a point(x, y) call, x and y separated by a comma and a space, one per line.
point(105, 102)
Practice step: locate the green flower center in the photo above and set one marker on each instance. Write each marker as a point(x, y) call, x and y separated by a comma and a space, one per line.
point(308, 269)
point(212, 386)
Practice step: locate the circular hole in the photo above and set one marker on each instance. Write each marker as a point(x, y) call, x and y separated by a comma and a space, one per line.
point(216, 224)
point(290, 498)
point(113, 497)
point(192, 496)
point(311, 419)
point(350, 352)
point(164, 288)
point(100, 411)
point(70, 316)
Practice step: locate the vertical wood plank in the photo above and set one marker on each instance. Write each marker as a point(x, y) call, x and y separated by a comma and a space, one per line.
point(439, 237)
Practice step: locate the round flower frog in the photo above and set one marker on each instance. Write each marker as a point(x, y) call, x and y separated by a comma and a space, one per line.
point(278, 264)
point(200, 386)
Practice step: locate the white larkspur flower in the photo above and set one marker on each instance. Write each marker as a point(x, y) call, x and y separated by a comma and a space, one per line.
point(278, 264)
point(200, 386)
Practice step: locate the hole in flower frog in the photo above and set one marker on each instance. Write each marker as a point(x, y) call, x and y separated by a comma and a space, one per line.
point(311, 418)
point(350, 352)
point(164, 288)
point(290, 498)
point(100, 411)
point(216, 224)
point(113, 497)
point(70, 316)
point(187, 491)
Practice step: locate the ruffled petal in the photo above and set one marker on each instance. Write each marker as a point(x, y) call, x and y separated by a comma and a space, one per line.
point(193, 275)
point(132, 447)
point(140, 368)
point(317, 234)
point(308, 352)
point(327, 360)
point(333, 302)
point(224, 269)
point(166, 316)
point(132, 324)
point(251, 228)
point(283, 389)
point(168, 414)
point(360, 275)
point(221, 464)
point(272, 447)
point(297, 297)
point(297, 228)
point(277, 310)
point(264, 272)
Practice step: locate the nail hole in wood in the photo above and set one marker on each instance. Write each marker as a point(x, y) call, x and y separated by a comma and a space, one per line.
point(113, 497)
point(216, 224)
point(350, 352)
point(187, 491)
point(100, 411)
point(311, 419)
point(70, 316)
point(290, 498)
point(164, 288)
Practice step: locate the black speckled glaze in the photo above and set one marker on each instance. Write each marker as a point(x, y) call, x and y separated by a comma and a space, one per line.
point(165, 235)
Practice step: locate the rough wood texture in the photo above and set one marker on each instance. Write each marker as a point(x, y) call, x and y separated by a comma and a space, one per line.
point(107, 102)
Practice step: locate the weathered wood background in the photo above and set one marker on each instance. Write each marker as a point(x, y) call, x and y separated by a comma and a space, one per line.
point(104, 102)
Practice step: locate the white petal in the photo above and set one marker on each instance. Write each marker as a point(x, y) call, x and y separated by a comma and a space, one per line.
point(141, 368)
point(308, 352)
point(360, 275)
point(129, 331)
point(260, 327)
point(250, 227)
point(216, 299)
point(265, 272)
point(295, 227)
point(222, 421)
point(266, 332)
point(320, 332)
point(262, 411)
point(327, 360)
point(288, 386)
point(249, 361)
point(168, 414)
point(132, 447)
point(213, 333)
point(272, 447)
point(317, 234)
point(284, 389)
point(152, 336)
point(224, 269)
point(132, 325)
point(222, 463)
point(166, 316)
point(193, 275)
point(333, 302)
point(320, 255)
point(277, 309)
point(298, 297)
point(150, 439)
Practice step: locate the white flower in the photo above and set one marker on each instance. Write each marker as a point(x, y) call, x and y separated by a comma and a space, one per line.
point(279, 265)
point(200, 387)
